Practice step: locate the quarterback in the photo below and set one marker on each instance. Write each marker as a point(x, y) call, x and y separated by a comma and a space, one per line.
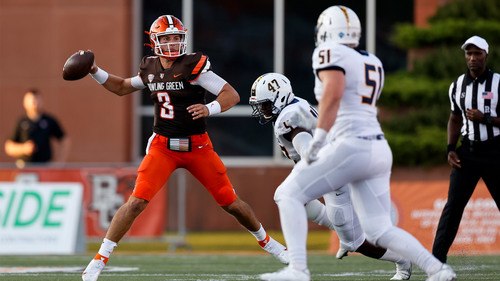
point(178, 82)
point(347, 148)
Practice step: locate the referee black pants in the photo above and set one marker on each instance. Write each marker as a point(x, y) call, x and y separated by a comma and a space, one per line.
point(477, 162)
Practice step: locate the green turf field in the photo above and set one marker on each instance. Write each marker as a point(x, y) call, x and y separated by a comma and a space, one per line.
point(204, 261)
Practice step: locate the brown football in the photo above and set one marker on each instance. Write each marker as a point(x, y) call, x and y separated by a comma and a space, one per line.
point(78, 65)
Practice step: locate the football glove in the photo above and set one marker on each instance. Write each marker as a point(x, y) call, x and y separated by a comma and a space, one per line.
point(318, 141)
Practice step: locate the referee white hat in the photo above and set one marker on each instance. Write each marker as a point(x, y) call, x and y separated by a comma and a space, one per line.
point(478, 42)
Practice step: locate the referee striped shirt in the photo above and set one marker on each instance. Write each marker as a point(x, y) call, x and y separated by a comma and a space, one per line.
point(480, 93)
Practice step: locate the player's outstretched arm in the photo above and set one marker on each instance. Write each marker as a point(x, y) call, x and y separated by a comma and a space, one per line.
point(118, 85)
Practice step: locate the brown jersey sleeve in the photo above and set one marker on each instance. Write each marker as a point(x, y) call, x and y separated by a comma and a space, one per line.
point(194, 64)
point(149, 64)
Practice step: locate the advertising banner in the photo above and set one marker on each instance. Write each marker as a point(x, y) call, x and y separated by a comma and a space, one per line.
point(104, 191)
point(417, 207)
point(39, 218)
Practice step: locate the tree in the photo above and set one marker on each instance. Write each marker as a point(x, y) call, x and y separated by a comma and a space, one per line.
point(415, 107)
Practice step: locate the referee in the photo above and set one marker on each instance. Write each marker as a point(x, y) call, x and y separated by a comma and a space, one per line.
point(475, 112)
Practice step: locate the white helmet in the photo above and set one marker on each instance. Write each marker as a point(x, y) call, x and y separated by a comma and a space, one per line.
point(270, 93)
point(338, 24)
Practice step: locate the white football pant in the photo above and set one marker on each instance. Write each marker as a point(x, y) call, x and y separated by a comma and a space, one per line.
point(364, 165)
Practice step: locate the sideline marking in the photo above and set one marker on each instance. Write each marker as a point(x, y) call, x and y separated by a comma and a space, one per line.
point(48, 269)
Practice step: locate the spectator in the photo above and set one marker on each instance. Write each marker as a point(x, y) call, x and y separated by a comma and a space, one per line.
point(33, 135)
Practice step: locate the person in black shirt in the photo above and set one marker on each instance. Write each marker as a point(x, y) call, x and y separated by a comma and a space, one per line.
point(32, 137)
point(475, 114)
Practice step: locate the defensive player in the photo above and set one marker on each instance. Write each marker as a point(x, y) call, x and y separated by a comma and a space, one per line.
point(348, 148)
point(178, 82)
point(294, 120)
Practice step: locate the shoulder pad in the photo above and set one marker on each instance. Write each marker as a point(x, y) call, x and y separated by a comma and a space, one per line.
point(146, 61)
point(192, 65)
point(293, 117)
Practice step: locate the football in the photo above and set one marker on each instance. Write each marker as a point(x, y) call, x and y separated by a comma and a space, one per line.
point(78, 65)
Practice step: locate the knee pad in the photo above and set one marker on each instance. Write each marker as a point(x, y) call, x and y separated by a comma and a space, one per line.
point(316, 212)
point(340, 215)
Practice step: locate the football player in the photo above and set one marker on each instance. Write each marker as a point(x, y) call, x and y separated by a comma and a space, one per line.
point(178, 82)
point(294, 120)
point(347, 148)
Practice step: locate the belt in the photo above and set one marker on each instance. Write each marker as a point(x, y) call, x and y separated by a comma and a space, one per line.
point(490, 143)
point(372, 137)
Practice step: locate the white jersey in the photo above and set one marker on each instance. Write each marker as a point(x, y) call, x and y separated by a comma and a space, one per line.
point(299, 113)
point(364, 76)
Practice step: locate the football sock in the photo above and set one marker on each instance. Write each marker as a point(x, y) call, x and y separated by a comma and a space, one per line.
point(106, 248)
point(391, 256)
point(260, 234)
point(404, 244)
point(103, 258)
point(294, 225)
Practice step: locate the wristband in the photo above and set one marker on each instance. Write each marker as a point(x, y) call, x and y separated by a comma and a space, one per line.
point(100, 76)
point(213, 107)
point(450, 148)
point(319, 135)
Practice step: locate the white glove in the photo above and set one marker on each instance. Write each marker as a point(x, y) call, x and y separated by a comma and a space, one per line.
point(318, 141)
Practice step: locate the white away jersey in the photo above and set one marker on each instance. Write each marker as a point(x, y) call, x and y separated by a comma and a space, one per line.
point(297, 114)
point(364, 80)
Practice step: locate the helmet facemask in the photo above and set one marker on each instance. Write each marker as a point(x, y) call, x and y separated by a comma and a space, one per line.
point(168, 37)
point(270, 93)
point(169, 49)
point(264, 111)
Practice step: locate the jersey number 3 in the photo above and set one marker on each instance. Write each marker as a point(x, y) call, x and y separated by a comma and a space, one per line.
point(167, 109)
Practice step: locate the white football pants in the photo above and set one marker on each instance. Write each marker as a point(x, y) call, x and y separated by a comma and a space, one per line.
point(338, 214)
point(364, 165)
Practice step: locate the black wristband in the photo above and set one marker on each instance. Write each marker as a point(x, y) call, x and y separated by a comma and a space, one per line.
point(450, 147)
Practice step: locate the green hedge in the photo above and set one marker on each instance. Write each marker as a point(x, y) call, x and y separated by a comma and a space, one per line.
point(470, 10)
point(445, 33)
point(406, 90)
point(426, 146)
point(414, 104)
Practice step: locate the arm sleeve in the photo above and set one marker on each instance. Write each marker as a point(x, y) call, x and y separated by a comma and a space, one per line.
point(210, 82)
point(137, 83)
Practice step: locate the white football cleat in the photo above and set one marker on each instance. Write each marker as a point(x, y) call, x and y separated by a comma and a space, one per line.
point(275, 249)
point(287, 274)
point(444, 274)
point(403, 271)
point(341, 253)
point(92, 271)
